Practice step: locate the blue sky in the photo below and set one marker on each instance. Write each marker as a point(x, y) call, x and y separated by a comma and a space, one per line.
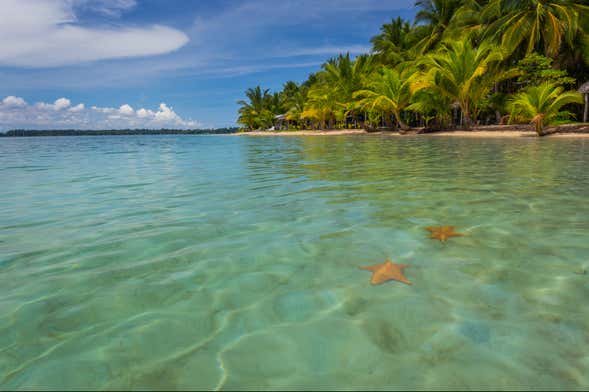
point(166, 63)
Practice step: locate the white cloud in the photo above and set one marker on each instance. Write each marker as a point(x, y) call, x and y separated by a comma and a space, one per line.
point(62, 103)
point(256, 68)
point(244, 20)
point(143, 113)
point(220, 40)
point(126, 110)
point(77, 108)
point(44, 33)
point(54, 115)
point(14, 102)
point(103, 110)
point(165, 114)
point(112, 8)
point(59, 104)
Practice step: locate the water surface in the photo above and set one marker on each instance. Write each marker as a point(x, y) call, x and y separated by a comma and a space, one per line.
point(183, 262)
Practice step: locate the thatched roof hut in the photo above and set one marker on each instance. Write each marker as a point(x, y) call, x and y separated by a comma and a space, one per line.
point(584, 89)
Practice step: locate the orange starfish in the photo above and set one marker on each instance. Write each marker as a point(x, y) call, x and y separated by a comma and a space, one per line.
point(387, 271)
point(442, 233)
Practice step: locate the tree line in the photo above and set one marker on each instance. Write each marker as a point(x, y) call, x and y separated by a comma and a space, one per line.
point(458, 64)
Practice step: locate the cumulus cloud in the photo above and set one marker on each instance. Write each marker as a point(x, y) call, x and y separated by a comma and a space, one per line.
point(16, 113)
point(61, 103)
point(77, 108)
point(143, 113)
point(12, 101)
point(44, 33)
point(126, 110)
point(165, 114)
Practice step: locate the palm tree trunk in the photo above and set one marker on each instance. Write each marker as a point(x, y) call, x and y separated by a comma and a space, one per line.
point(467, 122)
point(586, 113)
point(402, 125)
point(539, 128)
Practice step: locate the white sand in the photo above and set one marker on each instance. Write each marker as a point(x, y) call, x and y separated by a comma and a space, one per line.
point(503, 133)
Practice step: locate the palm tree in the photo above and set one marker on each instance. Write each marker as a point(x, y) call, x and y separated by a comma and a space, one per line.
point(346, 76)
point(389, 92)
point(330, 98)
point(432, 106)
point(250, 112)
point(259, 112)
point(534, 24)
point(467, 21)
point(465, 74)
point(437, 15)
point(574, 56)
point(393, 44)
point(294, 98)
point(322, 106)
point(541, 104)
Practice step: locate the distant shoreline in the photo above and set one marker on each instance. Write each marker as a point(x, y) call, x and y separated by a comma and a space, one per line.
point(116, 132)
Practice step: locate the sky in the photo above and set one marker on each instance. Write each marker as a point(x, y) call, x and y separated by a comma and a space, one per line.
point(96, 64)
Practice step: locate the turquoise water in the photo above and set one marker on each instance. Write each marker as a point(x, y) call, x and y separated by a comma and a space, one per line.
point(193, 262)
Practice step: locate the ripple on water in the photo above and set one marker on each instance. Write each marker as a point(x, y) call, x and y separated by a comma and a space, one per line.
point(180, 262)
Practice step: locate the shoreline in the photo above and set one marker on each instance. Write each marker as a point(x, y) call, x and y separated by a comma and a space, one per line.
point(567, 131)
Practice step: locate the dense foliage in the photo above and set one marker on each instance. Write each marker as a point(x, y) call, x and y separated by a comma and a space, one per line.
point(460, 63)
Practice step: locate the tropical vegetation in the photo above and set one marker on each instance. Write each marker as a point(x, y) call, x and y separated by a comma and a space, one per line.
point(460, 63)
point(542, 104)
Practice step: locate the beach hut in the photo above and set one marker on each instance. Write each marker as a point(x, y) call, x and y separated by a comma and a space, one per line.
point(584, 89)
point(280, 122)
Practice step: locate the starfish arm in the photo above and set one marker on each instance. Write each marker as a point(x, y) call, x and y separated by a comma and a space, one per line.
point(443, 233)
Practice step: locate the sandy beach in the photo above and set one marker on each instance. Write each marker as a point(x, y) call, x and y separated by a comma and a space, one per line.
point(567, 131)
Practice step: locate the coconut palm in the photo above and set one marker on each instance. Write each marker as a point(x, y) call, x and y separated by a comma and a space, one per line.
point(295, 97)
point(250, 112)
point(389, 92)
point(534, 24)
point(260, 109)
point(574, 56)
point(437, 16)
point(467, 21)
point(465, 74)
point(345, 76)
point(432, 106)
point(322, 105)
point(541, 104)
point(393, 44)
point(330, 97)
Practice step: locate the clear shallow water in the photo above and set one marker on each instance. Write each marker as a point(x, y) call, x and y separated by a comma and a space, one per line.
point(232, 262)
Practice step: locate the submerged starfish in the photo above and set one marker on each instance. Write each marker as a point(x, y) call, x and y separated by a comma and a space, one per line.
point(442, 233)
point(387, 271)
